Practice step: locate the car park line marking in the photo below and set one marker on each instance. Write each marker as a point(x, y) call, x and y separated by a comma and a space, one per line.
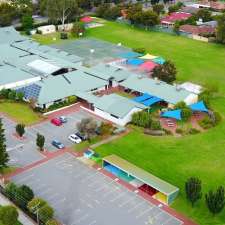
point(111, 191)
point(21, 180)
point(89, 177)
point(53, 196)
point(136, 206)
point(15, 147)
point(81, 219)
point(93, 222)
point(126, 202)
point(80, 174)
point(118, 197)
point(143, 212)
point(46, 191)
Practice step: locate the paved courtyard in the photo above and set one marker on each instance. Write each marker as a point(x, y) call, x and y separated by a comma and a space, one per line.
point(24, 152)
point(82, 195)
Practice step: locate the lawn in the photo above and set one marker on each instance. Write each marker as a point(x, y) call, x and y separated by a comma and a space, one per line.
point(170, 158)
point(48, 39)
point(20, 112)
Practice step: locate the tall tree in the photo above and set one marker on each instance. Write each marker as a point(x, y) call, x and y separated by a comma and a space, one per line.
point(40, 141)
point(215, 201)
point(20, 129)
point(60, 10)
point(166, 72)
point(220, 33)
point(193, 190)
point(149, 18)
point(7, 13)
point(4, 157)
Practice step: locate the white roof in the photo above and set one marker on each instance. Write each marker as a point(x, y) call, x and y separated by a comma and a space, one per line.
point(43, 66)
point(193, 88)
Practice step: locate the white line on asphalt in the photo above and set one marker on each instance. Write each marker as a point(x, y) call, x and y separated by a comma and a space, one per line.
point(136, 206)
point(126, 202)
point(117, 197)
point(143, 212)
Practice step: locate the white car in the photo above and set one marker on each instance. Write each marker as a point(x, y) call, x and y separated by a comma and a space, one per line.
point(75, 139)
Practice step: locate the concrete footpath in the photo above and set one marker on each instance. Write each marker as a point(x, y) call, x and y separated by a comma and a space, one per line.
point(25, 220)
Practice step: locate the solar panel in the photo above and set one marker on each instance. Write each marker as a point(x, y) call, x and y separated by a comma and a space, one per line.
point(30, 92)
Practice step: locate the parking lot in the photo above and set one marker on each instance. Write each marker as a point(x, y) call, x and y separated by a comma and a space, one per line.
point(81, 195)
point(24, 152)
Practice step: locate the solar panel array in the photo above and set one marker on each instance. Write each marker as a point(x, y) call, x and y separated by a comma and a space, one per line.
point(30, 92)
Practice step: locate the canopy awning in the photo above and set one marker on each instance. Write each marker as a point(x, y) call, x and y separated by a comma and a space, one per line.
point(151, 101)
point(148, 66)
point(159, 60)
point(199, 106)
point(130, 55)
point(142, 98)
point(148, 56)
point(176, 114)
point(135, 62)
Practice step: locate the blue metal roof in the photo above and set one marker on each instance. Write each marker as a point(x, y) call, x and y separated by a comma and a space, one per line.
point(142, 98)
point(130, 55)
point(151, 101)
point(135, 62)
point(176, 114)
point(199, 106)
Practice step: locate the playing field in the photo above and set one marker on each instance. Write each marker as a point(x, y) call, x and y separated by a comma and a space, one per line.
point(170, 158)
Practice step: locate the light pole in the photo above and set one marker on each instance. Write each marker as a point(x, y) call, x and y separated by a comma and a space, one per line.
point(36, 211)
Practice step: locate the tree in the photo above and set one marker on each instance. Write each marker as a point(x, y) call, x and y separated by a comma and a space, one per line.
point(4, 157)
point(23, 7)
point(60, 10)
point(78, 27)
point(27, 22)
point(35, 204)
point(149, 18)
point(8, 215)
point(40, 141)
point(25, 194)
point(185, 110)
point(20, 129)
point(19, 96)
point(7, 13)
point(220, 33)
point(11, 190)
point(158, 8)
point(166, 72)
point(193, 190)
point(45, 213)
point(204, 14)
point(87, 127)
point(52, 222)
point(215, 201)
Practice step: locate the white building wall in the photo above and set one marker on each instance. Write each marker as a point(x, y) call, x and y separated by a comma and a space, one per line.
point(120, 121)
point(191, 99)
point(20, 83)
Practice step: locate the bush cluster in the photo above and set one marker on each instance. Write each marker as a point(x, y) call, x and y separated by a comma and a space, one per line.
point(11, 95)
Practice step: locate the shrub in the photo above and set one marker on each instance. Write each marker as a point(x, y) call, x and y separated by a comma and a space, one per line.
point(8, 215)
point(78, 27)
point(105, 128)
point(12, 95)
point(155, 125)
point(71, 99)
point(35, 203)
point(206, 123)
point(52, 222)
point(63, 35)
point(193, 131)
point(139, 50)
point(179, 131)
point(186, 113)
point(45, 213)
point(141, 119)
point(19, 96)
point(217, 118)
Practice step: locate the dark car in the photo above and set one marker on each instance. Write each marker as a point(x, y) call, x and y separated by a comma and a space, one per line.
point(58, 144)
point(81, 136)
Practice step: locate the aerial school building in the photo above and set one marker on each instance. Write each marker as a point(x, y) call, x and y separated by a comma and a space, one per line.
point(48, 75)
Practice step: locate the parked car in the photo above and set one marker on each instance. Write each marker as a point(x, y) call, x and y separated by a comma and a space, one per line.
point(56, 121)
point(58, 144)
point(81, 136)
point(75, 139)
point(63, 119)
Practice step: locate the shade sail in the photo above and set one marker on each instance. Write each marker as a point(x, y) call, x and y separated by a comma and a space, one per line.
point(199, 106)
point(130, 55)
point(159, 60)
point(148, 66)
point(148, 56)
point(142, 98)
point(86, 19)
point(135, 62)
point(151, 101)
point(176, 114)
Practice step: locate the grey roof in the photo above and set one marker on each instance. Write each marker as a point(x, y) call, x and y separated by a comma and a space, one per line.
point(10, 74)
point(117, 105)
point(9, 35)
point(61, 86)
point(160, 89)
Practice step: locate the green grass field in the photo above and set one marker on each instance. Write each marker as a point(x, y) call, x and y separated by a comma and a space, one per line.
point(20, 112)
point(170, 158)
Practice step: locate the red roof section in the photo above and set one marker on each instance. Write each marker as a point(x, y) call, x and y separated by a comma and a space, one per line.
point(173, 17)
point(197, 29)
point(86, 19)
